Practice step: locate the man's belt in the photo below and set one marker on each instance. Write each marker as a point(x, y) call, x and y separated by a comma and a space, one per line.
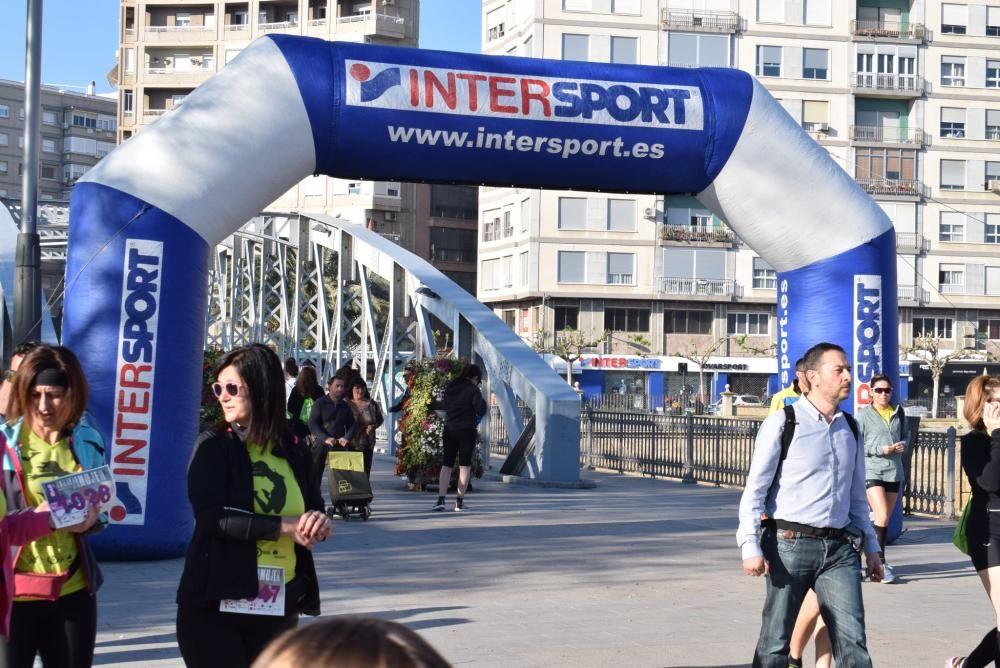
point(806, 530)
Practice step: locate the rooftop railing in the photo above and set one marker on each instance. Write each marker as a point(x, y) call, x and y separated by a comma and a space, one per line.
point(700, 20)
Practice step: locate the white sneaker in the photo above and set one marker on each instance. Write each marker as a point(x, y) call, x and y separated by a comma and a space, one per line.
point(888, 577)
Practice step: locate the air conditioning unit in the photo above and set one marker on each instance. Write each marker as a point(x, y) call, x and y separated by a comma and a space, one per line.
point(823, 127)
point(650, 212)
point(388, 2)
point(994, 186)
point(390, 216)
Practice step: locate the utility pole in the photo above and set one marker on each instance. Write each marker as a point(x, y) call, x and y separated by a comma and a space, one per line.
point(27, 275)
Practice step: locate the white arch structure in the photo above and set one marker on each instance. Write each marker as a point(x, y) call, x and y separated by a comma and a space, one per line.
point(144, 219)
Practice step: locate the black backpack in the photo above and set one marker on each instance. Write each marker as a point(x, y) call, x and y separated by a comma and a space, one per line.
point(788, 433)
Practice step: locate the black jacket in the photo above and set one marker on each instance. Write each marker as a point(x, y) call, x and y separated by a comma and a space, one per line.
point(463, 404)
point(981, 452)
point(221, 559)
point(294, 407)
point(331, 418)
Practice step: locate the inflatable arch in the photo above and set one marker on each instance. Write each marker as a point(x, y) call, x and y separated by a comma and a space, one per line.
point(144, 220)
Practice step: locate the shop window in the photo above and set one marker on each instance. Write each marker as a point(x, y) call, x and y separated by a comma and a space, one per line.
point(566, 317)
point(687, 322)
point(626, 319)
point(940, 328)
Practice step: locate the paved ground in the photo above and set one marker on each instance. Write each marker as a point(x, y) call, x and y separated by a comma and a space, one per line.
point(634, 572)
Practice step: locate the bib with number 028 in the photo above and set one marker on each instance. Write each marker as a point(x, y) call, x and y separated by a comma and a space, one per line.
point(270, 595)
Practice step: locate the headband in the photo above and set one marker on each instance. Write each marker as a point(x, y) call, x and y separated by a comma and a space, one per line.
point(52, 376)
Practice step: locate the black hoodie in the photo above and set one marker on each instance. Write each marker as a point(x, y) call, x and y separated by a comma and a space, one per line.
point(463, 403)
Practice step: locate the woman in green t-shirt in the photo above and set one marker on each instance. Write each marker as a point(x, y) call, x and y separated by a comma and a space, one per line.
point(258, 511)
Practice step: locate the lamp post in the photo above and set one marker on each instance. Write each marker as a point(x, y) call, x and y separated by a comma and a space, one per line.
point(27, 273)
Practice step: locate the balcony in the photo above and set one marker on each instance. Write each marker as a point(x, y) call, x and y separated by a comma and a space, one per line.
point(187, 34)
point(905, 189)
point(951, 289)
point(380, 24)
point(886, 136)
point(279, 26)
point(698, 287)
point(908, 242)
point(912, 295)
point(152, 113)
point(887, 84)
point(718, 234)
point(893, 30)
point(237, 27)
point(700, 20)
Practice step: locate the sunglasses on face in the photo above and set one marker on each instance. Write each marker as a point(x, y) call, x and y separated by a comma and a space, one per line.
point(232, 389)
point(882, 390)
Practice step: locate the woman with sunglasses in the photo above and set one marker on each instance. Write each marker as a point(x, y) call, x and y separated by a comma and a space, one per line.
point(56, 577)
point(883, 435)
point(258, 512)
point(981, 464)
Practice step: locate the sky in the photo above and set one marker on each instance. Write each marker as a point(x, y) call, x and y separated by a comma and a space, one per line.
point(80, 37)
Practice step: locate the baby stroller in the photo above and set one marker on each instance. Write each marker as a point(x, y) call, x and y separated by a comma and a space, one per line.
point(350, 490)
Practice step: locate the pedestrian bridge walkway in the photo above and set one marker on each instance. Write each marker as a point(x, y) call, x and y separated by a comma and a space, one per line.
point(635, 571)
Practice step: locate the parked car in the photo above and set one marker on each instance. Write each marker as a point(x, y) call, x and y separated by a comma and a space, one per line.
point(747, 400)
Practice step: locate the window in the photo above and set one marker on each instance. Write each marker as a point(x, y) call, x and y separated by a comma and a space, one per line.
point(815, 115)
point(953, 123)
point(3, 166)
point(82, 121)
point(992, 173)
point(182, 19)
point(566, 317)
point(454, 202)
point(769, 61)
point(453, 245)
point(991, 228)
point(771, 11)
point(490, 274)
point(696, 50)
point(952, 227)
point(951, 278)
point(886, 164)
point(954, 19)
point(992, 280)
point(953, 175)
point(626, 319)
point(764, 275)
point(578, 5)
point(575, 47)
point(508, 225)
point(491, 229)
point(625, 50)
point(936, 327)
point(701, 222)
point(993, 124)
point(621, 215)
point(817, 13)
point(506, 273)
point(952, 71)
point(128, 98)
point(523, 267)
point(572, 213)
point(989, 329)
point(525, 214)
point(751, 324)
point(687, 322)
point(48, 172)
point(621, 269)
point(4, 111)
point(509, 317)
point(48, 146)
point(993, 73)
point(49, 117)
point(572, 267)
point(4, 139)
point(993, 21)
point(815, 63)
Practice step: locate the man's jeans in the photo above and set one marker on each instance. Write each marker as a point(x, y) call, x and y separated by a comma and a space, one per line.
point(833, 568)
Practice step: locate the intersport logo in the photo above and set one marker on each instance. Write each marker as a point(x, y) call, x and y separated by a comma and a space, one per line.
point(501, 95)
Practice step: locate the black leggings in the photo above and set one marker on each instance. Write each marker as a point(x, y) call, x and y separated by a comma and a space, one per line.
point(212, 639)
point(62, 632)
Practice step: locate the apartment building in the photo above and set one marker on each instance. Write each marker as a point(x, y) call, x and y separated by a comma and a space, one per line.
point(903, 94)
point(169, 47)
point(77, 130)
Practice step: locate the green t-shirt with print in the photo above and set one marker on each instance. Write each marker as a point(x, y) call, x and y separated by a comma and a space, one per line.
point(55, 553)
point(275, 492)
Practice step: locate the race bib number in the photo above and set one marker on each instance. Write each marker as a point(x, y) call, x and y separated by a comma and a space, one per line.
point(270, 595)
point(70, 496)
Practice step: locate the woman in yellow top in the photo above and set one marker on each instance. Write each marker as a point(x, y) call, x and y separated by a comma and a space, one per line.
point(883, 437)
point(258, 511)
point(56, 576)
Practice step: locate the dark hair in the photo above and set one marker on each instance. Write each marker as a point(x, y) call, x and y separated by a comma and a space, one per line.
point(307, 383)
point(800, 364)
point(262, 375)
point(291, 368)
point(350, 642)
point(976, 395)
point(471, 371)
point(342, 375)
point(363, 385)
point(812, 356)
point(24, 348)
point(39, 359)
point(879, 377)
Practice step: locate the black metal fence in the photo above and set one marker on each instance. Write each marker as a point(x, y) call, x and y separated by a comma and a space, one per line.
point(718, 450)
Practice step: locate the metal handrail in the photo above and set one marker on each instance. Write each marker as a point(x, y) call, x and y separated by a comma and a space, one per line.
point(887, 29)
point(886, 135)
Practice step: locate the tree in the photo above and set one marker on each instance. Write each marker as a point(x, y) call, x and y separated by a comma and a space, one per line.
point(700, 356)
point(928, 349)
point(569, 344)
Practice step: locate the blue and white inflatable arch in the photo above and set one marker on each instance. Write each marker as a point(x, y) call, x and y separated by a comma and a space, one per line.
point(146, 218)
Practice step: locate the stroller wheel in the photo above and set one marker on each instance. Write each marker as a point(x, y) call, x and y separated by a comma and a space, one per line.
point(365, 512)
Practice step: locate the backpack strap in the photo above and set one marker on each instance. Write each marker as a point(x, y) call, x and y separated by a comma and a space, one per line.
point(788, 432)
point(853, 424)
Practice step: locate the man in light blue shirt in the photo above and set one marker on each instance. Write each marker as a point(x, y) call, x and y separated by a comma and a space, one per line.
point(818, 512)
